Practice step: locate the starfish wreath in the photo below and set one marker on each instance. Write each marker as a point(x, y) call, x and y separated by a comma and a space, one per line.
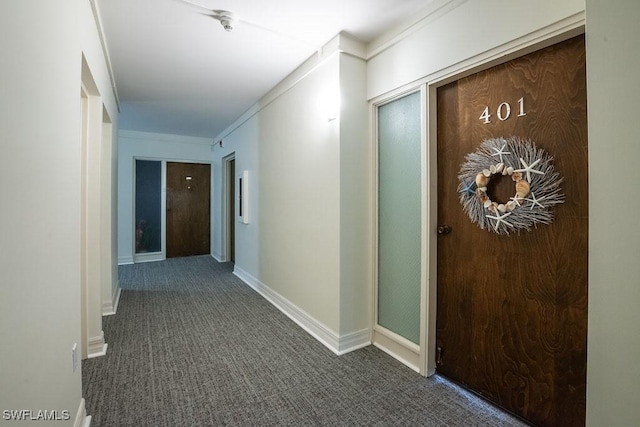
point(535, 181)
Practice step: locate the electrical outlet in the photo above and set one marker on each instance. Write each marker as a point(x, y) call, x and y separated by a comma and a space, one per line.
point(74, 357)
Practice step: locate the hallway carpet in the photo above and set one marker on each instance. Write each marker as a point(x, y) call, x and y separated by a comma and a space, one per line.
point(192, 345)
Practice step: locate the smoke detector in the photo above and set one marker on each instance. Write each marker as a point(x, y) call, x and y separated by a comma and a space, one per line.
point(228, 20)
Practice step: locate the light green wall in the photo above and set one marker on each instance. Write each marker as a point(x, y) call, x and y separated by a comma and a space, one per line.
point(613, 90)
point(355, 198)
point(299, 197)
point(308, 237)
point(457, 32)
point(40, 192)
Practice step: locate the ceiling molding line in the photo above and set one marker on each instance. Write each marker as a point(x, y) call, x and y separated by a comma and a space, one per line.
point(274, 94)
point(351, 46)
point(436, 10)
point(329, 50)
point(564, 29)
point(164, 137)
point(105, 50)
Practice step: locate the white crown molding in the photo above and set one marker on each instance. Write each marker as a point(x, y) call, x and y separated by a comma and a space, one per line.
point(340, 44)
point(105, 50)
point(151, 136)
point(434, 10)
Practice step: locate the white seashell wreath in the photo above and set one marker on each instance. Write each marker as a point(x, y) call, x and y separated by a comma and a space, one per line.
point(537, 185)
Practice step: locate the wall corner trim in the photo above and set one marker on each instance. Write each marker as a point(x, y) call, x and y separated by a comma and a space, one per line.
point(337, 344)
point(96, 346)
point(110, 308)
point(82, 419)
point(125, 260)
point(218, 257)
point(105, 50)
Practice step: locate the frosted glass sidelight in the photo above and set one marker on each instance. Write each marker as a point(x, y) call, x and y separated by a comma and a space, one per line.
point(148, 206)
point(399, 137)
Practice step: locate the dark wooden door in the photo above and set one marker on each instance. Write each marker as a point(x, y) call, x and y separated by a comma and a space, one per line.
point(512, 310)
point(188, 209)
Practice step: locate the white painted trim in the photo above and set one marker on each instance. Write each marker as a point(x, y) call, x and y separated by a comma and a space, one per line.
point(149, 257)
point(82, 420)
point(225, 206)
point(398, 347)
point(337, 344)
point(429, 299)
point(218, 257)
point(341, 43)
point(109, 308)
point(116, 299)
point(552, 34)
point(405, 351)
point(425, 230)
point(557, 32)
point(177, 139)
point(435, 10)
point(96, 346)
point(125, 260)
point(354, 341)
point(105, 50)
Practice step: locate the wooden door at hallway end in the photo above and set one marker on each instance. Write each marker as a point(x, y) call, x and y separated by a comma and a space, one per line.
point(512, 309)
point(188, 209)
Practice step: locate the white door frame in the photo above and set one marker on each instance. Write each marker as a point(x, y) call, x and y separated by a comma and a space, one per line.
point(404, 351)
point(227, 179)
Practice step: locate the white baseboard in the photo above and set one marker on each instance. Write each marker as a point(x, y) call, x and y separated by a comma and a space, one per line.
point(149, 257)
point(125, 260)
point(116, 298)
point(109, 308)
point(400, 348)
point(354, 341)
point(218, 257)
point(82, 420)
point(96, 346)
point(337, 344)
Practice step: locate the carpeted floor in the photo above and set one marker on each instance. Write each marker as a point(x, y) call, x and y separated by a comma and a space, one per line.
point(192, 345)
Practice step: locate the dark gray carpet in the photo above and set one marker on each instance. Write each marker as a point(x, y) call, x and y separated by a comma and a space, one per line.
point(192, 345)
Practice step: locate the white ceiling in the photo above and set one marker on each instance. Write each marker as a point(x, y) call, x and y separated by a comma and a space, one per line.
point(178, 71)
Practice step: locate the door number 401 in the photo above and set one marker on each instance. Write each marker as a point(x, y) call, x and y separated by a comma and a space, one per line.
point(503, 111)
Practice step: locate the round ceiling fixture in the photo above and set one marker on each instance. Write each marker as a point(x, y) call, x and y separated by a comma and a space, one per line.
point(228, 20)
